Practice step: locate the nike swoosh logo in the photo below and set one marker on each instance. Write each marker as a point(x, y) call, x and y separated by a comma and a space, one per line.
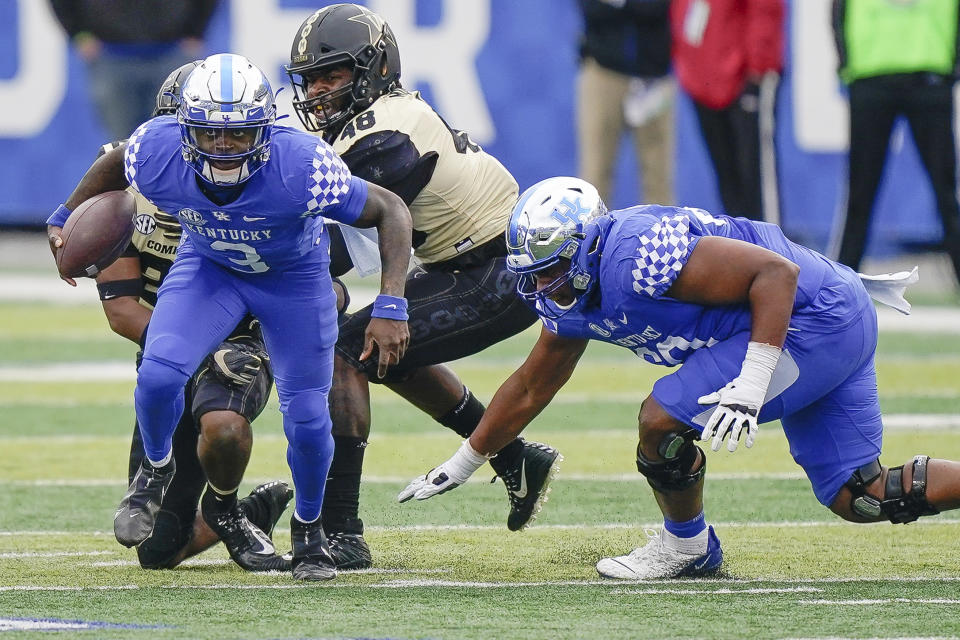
point(522, 492)
point(252, 219)
point(220, 358)
point(624, 319)
point(266, 547)
point(390, 306)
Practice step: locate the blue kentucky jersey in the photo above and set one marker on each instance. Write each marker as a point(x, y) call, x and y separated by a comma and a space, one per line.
point(274, 222)
point(645, 248)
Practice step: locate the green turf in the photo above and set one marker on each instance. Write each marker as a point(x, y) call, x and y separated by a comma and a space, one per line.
point(448, 568)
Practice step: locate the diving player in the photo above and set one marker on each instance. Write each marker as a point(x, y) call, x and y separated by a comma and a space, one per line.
point(212, 441)
point(345, 70)
point(762, 328)
point(248, 195)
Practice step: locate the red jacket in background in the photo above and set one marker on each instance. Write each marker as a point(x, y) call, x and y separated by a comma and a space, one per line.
point(718, 44)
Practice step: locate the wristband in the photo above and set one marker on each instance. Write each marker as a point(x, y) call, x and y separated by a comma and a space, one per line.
point(389, 307)
point(59, 217)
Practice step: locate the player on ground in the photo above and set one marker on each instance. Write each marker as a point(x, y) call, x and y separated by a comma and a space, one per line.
point(248, 195)
point(763, 329)
point(212, 441)
point(345, 69)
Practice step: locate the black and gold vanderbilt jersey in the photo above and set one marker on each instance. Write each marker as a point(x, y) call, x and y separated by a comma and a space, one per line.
point(155, 240)
point(156, 237)
point(459, 196)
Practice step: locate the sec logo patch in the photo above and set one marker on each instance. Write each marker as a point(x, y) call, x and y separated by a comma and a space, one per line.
point(145, 224)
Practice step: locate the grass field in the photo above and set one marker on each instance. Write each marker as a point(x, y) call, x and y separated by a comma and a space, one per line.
point(448, 568)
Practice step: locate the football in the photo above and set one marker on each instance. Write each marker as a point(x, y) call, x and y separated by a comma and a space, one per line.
point(96, 233)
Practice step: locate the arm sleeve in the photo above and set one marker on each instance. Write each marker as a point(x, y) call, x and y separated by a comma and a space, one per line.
point(661, 251)
point(764, 37)
point(391, 160)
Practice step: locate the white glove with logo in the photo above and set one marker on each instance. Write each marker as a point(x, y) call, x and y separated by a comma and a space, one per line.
point(739, 402)
point(449, 475)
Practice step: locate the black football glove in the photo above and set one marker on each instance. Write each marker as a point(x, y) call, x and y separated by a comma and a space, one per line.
point(236, 364)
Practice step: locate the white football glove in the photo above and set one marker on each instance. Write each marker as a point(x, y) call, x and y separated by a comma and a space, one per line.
point(740, 400)
point(449, 475)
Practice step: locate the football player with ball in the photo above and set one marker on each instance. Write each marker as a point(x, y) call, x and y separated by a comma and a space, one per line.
point(213, 438)
point(249, 196)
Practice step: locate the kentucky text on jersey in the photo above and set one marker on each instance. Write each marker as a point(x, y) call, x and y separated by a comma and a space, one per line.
point(274, 222)
point(644, 248)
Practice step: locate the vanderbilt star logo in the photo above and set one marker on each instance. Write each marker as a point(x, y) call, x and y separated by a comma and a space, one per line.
point(373, 22)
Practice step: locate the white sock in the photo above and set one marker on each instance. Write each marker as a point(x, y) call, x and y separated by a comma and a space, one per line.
point(299, 519)
point(697, 545)
point(162, 463)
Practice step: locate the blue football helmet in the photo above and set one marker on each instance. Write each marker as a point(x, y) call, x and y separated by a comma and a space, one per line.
point(552, 222)
point(226, 113)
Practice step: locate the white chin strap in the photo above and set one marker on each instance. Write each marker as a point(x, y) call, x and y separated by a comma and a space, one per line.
point(226, 176)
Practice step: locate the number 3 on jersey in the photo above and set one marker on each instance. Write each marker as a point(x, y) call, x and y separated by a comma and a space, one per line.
point(251, 259)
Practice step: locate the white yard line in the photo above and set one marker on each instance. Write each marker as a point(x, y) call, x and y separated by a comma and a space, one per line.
point(615, 584)
point(857, 603)
point(54, 554)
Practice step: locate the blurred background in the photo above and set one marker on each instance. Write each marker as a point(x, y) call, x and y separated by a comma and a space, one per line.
point(503, 70)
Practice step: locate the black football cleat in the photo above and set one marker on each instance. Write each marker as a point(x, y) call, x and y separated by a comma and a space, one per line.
point(528, 483)
point(137, 512)
point(248, 546)
point(349, 550)
point(311, 551)
point(265, 504)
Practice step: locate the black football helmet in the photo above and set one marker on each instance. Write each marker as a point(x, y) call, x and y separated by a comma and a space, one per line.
point(342, 35)
point(168, 97)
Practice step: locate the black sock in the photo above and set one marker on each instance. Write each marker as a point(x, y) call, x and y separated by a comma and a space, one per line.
point(341, 499)
point(464, 417)
point(214, 502)
point(508, 457)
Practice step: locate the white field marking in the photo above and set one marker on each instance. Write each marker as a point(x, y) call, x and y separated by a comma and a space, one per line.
point(857, 603)
point(28, 587)
point(53, 554)
point(715, 592)
point(615, 584)
point(111, 371)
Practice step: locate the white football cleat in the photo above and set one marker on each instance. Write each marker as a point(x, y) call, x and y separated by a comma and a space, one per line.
point(654, 561)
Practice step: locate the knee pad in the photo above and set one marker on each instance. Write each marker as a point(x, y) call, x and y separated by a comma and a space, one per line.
point(676, 472)
point(307, 424)
point(899, 507)
point(307, 406)
point(160, 376)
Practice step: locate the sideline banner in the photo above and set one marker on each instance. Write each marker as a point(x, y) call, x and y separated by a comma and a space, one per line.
point(503, 70)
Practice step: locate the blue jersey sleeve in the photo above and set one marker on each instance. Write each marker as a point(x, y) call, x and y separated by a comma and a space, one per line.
point(350, 207)
point(148, 150)
point(660, 247)
point(333, 190)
